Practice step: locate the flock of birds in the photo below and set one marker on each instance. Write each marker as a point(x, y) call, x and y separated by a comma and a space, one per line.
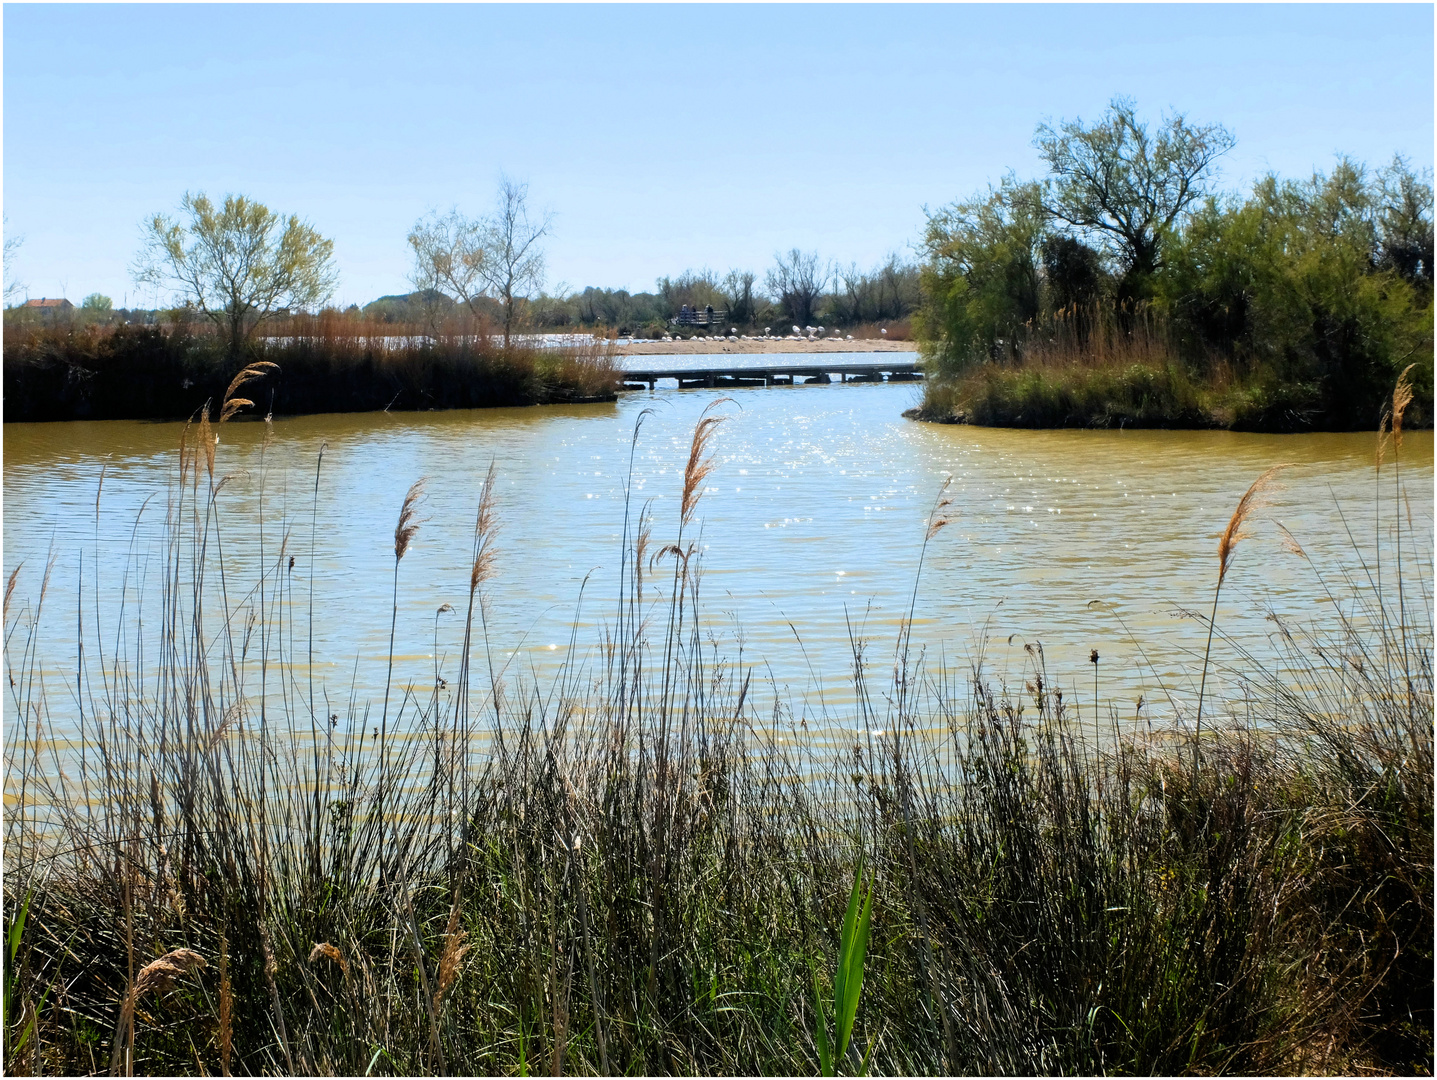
point(806, 333)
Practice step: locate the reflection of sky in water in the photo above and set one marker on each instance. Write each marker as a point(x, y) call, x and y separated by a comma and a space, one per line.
point(812, 524)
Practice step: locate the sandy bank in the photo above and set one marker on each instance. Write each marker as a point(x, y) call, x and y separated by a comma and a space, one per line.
point(763, 345)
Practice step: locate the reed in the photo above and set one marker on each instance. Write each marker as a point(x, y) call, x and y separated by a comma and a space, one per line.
point(1126, 366)
point(1252, 500)
point(319, 365)
point(639, 867)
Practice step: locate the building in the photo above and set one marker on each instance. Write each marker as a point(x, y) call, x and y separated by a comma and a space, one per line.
point(48, 308)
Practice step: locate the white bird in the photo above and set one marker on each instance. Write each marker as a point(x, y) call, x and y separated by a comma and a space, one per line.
point(796, 330)
point(767, 330)
point(883, 330)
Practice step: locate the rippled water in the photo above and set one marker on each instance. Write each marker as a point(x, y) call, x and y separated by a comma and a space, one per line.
point(812, 526)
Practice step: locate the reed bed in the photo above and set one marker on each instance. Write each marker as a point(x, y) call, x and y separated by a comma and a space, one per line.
point(1103, 366)
point(324, 364)
point(643, 866)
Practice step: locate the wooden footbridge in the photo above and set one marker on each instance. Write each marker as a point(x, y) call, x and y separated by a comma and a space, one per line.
point(776, 375)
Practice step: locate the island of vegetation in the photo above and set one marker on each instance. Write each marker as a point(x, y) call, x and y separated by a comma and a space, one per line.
point(1124, 289)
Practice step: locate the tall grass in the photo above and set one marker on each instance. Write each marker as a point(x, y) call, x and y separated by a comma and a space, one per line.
point(1104, 366)
point(639, 867)
point(325, 364)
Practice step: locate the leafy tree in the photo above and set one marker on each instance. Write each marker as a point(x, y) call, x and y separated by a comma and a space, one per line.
point(981, 281)
point(1127, 188)
point(496, 257)
point(797, 280)
point(96, 302)
point(1404, 219)
point(238, 264)
point(1292, 284)
point(1073, 274)
point(696, 288)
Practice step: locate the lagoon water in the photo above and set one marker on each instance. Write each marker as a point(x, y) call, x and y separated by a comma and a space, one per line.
point(811, 530)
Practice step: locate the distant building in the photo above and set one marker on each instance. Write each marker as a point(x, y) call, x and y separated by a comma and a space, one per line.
point(49, 308)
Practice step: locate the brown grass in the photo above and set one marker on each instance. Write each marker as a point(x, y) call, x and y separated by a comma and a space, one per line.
point(226, 1017)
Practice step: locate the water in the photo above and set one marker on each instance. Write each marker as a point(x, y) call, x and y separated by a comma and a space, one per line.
point(811, 531)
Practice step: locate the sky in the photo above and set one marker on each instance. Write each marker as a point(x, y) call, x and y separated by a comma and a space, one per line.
point(661, 137)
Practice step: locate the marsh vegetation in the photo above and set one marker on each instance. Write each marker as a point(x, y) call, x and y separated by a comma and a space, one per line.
point(636, 867)
point(1126, 288)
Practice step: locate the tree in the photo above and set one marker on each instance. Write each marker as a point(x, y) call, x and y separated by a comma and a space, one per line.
point(238, 264)
point(797, 279)
point(96, 302)
point(737, 289)
point(496, 257)
point(1125, 188)
point(515, 265)
point(696, 288)
point(13, 288)
point(1072, 275)
point(980, 281)
point(448, 254)
point(1404, 218)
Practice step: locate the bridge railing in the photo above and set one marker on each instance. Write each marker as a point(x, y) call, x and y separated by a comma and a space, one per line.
point(700, 318)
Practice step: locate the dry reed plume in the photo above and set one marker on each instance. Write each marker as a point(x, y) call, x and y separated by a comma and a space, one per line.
point(323, 950)
point(230, 403)
point(1401, 398)
point(1253, 499)
point(482, 564)
point(700, 466)
point(158, 976)
point(408, 524)
point(452, 959)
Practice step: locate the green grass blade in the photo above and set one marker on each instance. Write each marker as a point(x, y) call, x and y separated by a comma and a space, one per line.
point(17, 928)
point(867, 1057)
point(825, 1059)
point(845, 949)
point(851, 970)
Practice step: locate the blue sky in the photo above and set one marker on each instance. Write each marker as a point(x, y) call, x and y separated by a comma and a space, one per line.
point(663, 137)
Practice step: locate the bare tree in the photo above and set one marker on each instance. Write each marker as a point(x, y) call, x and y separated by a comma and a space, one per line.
point(237, 264)
point(13, 287)
point(1125, 187)
point(797, 279)
point(496, 257)
point(449, 251)
point(737, 289)
point(515, 265)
